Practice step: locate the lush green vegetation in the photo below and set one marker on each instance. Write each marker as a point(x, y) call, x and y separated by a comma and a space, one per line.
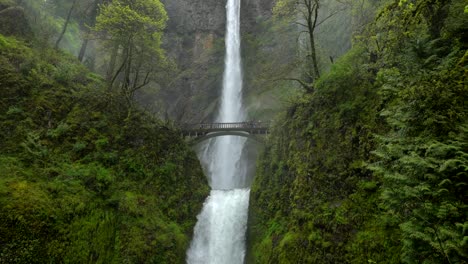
point(370, 165)
point(86, 177)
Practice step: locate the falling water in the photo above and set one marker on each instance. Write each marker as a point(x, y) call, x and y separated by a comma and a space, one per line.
point(219, 235)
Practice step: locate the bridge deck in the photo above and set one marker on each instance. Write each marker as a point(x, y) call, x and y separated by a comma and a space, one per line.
point(201, 129)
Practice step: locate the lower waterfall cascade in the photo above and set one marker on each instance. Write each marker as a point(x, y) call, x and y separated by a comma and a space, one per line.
point(219, 235)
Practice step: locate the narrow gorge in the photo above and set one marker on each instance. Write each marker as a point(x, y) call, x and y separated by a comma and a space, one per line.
point(130, 131)
point(219, 235)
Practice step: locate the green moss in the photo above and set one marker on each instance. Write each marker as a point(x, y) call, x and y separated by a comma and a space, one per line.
point(368, 167)
point(84, 178)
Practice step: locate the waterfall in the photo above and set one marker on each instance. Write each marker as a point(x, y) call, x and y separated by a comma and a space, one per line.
point(219, 235)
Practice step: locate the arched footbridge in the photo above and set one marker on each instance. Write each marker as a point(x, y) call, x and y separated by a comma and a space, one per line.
point(197, 133)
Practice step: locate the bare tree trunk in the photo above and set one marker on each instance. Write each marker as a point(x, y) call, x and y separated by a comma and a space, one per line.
point(124, 67)
point(126, 83)
point(113, 59)
point(92, 22)
point(312, 17)
point(67, 21)
point(119, 70)
point(83, 48)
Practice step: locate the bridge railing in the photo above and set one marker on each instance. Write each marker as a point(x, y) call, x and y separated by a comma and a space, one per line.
point(235, 125)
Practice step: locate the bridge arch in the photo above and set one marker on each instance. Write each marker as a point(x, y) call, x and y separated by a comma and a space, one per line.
point(210, 135)
point(196, 133)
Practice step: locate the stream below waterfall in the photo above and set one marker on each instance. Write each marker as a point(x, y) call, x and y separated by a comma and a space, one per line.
point(219, 235)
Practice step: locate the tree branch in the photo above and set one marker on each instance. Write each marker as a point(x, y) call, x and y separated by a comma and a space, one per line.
point(308, 87)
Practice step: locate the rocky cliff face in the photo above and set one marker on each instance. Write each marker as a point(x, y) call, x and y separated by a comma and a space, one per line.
point(204, 20)
point(195, 39)
point(255, 11)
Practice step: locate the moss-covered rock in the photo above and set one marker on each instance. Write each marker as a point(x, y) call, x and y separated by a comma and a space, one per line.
point(84, 176)
point(369, 167)
point(13, 21)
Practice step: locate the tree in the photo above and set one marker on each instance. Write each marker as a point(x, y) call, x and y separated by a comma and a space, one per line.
point(133, 29)
point(309, 19)
point(310, 14)
point(91, 23)
point(67, 21)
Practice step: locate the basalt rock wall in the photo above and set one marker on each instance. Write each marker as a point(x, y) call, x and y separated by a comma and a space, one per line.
point(195, 40)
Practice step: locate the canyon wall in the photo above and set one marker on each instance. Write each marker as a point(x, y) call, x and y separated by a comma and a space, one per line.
point(195, 40)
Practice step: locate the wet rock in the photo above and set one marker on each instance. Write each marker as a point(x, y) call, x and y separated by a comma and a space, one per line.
point(13, 22)
point(194, 38)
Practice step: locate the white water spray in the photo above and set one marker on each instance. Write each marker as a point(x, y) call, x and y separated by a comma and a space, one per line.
point(223, 167)
point(219, 235)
